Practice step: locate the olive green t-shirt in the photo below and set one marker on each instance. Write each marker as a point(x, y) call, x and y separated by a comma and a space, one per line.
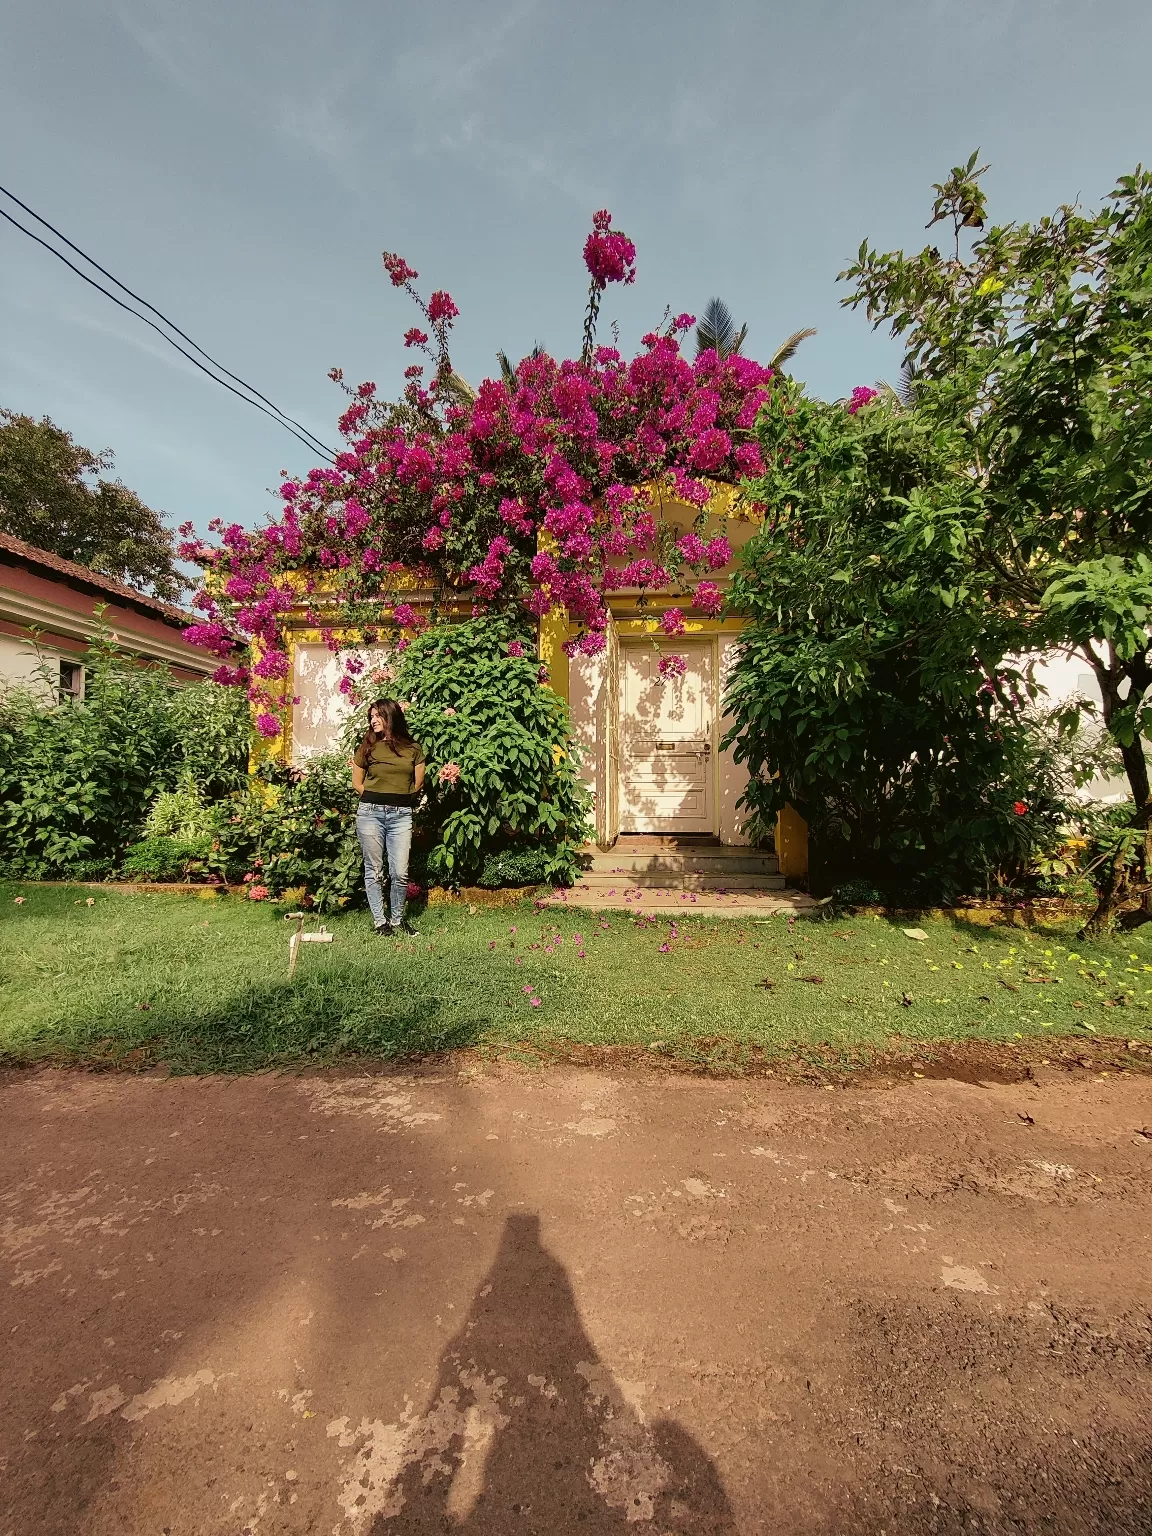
point(389, 772)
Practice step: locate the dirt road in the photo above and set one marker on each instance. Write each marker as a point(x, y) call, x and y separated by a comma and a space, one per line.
point(494, 1300)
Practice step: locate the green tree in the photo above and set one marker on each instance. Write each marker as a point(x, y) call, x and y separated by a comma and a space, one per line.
point(57, 495)
point(870, 692)
point(1031, 349)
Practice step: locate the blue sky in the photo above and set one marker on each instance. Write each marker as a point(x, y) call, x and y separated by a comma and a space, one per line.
point(242, 165)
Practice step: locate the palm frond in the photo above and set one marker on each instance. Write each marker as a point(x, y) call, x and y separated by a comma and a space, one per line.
point(460, 387)
point(716, 329)
point(738, 340)
point(507, 371)
point(786, 351)
point(909, 385)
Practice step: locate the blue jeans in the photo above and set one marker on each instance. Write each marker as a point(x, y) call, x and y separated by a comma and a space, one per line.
point(385, 829)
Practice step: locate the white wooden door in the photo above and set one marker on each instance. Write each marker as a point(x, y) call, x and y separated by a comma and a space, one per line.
point(666, 725)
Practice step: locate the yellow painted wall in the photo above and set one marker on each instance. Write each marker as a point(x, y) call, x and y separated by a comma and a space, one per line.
point(792, 843)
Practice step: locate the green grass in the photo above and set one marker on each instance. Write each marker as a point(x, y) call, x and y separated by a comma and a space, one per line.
point(202, 984)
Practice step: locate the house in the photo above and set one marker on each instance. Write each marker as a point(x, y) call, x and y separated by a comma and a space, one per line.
point(651, 737)
point(64, 605)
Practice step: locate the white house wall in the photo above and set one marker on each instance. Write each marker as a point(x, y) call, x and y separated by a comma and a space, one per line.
point(588, 706)
point(21, 667)
point(318, 719)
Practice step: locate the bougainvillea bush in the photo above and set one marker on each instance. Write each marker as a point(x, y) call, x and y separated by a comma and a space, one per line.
point(502, 774)
point(518, 497)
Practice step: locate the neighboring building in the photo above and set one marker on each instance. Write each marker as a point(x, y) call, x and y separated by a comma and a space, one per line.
point(41, 592)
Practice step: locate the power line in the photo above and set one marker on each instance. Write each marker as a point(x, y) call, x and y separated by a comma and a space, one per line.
point(269, 409)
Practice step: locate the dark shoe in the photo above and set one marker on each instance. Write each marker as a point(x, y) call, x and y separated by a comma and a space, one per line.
point(404, 926)
point(385, 931)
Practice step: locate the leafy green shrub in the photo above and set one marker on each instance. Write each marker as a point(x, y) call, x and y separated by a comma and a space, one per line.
point(212, 729)
point(515, 866)
point(859, 893)
point(164, 858)
point(297, 827)
point(502, 765)
point(77, 779)
point(181, 813)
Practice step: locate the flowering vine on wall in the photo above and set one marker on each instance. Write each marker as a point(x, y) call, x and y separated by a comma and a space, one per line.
point(525, 494)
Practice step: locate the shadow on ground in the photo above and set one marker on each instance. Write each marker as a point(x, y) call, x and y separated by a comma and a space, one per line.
point(527, 1429)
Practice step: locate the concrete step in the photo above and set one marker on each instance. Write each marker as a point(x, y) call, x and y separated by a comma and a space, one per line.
point(740, 906)
point(711, 861)
point(679, 880)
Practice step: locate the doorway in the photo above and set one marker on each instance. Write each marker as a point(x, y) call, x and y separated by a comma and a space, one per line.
point(667, 724)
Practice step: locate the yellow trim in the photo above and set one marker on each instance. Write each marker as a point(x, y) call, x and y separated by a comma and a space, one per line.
point(631, 628)
point(553, 633)
point(792, 843)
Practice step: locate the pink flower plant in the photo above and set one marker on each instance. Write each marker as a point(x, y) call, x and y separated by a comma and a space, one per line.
point(672, 666)
point(526, 496)
point(449, 773)
point(861, 395)
point(258, 893)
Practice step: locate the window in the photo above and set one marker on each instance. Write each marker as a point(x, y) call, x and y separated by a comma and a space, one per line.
point(71, 681)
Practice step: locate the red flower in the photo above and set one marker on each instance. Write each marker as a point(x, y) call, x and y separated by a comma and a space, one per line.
point(1020, 808)
point(398, 269)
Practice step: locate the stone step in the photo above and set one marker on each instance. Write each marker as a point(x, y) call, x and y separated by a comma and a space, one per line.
point(710, 861)
point(679, 880)
point(743, 906)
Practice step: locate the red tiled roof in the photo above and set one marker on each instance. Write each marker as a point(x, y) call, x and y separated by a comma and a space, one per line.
point(80, 575)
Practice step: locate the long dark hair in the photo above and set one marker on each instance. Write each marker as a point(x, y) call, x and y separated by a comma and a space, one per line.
point(395, 733)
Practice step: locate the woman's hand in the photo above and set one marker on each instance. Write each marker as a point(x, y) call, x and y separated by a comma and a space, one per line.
point(418, 777)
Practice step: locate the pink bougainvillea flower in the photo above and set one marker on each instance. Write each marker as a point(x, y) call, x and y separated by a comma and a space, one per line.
point(708, 598)
point(19, 900)
point(861, 395)
point(609, 255)
point(719, 552)
point(268, 725)
point(564, 446)
point(441, 308)
point(399, 270)
point(672, 666)
point(449, 773)
point(413, 889)
point(665, 949)
point(535, 1001)
point(672, 622)
point(515, 648)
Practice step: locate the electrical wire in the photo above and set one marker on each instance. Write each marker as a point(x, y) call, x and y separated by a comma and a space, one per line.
point(268, 408)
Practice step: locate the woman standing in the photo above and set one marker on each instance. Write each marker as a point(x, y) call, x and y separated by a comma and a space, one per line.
point(387, 774)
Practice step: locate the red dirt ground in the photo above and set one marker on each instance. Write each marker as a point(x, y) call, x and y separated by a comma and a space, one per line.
point(487, 1299)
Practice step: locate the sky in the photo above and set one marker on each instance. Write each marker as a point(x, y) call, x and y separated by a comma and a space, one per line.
point(243, 165)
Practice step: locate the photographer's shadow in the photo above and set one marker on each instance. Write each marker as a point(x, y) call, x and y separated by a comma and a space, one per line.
point(526, 1431)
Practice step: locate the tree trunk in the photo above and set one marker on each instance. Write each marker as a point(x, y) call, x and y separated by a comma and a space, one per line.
point(1116, 883)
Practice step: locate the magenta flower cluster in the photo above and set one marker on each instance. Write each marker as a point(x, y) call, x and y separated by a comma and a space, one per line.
point(609, 255)
point(527, 495)
point(861, 395)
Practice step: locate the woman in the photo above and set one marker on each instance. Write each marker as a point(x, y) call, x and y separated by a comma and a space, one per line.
point(388, 775)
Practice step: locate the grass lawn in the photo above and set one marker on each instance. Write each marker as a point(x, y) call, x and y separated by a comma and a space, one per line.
point(201, 984)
